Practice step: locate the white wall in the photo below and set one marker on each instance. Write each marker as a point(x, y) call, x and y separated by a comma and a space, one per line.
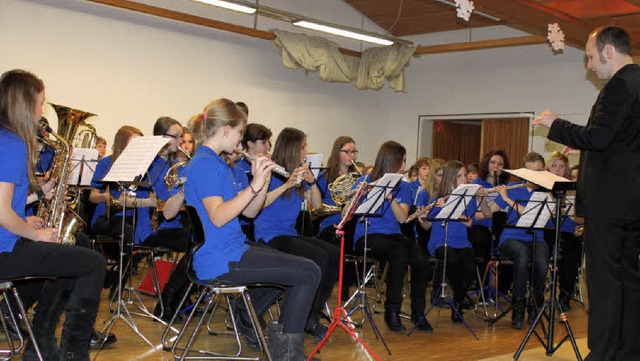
point(130, 68)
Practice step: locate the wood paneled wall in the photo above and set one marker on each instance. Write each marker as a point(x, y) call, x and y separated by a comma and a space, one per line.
point(508, 134)
point(456, 141)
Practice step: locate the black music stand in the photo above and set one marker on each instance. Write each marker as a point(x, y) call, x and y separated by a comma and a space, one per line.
point(457, 203)
point(127, 171)
point(339, 312)
point(559, 191)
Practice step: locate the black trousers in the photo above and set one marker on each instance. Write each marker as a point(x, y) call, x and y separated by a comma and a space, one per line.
point(461, 267)
point(113, 228)
point(613, 278)
point(328, 234)
point(78, 270)
point(177, 239)
point(569, 262)
point(399, 252)
point(325, 255)
point(299, 276)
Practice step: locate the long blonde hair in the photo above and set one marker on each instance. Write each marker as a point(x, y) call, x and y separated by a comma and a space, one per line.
point(19, 91)
point(217, 114)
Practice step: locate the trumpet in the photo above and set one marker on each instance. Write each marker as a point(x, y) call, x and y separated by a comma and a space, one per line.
point(277, 168)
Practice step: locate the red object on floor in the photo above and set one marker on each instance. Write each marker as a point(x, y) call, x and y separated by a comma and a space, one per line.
point(165, 268)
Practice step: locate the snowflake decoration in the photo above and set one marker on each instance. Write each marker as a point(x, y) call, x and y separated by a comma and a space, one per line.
point(464, 9)
point(555, 36)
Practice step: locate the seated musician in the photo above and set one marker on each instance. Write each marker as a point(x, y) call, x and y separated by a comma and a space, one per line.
point(225, 256)
point(523, 248)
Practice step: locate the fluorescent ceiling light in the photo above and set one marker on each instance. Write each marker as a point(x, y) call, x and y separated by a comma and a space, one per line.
point(229, 5)
point(343, 32)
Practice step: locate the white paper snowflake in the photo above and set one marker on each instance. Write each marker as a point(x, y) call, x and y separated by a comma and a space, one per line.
point(555, 36)
point(464, 9)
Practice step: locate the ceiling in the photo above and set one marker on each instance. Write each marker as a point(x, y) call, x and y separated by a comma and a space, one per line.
point(576, 17)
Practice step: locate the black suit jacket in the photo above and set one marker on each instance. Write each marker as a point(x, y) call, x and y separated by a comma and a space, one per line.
point(609, 175)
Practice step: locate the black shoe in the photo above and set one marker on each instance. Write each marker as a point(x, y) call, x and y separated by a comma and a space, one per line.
point(315, 328)
point(517, 316)
point(456, 317)
point(14, 330)
point(246, 330)
point(565, 301)
point(468, 304)
point(421, 323)
point(166, 314)
point(97, 338)
point(392, 319)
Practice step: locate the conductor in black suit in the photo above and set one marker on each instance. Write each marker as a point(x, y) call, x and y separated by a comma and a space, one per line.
point(608, 195)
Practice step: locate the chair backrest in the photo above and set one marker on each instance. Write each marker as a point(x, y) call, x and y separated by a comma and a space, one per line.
point(197, 238)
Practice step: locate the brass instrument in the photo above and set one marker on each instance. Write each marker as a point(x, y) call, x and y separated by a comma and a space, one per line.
point(341, 190)
point(172, 179)
point(57, 213)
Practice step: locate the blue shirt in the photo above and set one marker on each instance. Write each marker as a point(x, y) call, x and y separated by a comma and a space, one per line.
point(415, 188)
point(323, 186)
point(102, 168)
point(486, 222)
point(279, 218)
point(209, 176)
point(456, 231)
point(385, 222)
point(13, 157)
point(45, 159)
point(521, 196)
point(244, 166)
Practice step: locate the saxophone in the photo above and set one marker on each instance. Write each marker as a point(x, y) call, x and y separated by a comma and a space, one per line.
point(56, 212)
point(59, 212)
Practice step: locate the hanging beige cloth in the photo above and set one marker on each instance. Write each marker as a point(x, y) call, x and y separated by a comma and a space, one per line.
point(313, 53)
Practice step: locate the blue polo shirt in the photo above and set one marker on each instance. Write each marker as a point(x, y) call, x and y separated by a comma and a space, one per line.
point(279, 218)
point(323, 186)
point(456, 231)
point(521, 196)
point(209, 176)
point(13, 157)
point(385, 222)
point(487, 222)
point(102, 168)
point(244, 166)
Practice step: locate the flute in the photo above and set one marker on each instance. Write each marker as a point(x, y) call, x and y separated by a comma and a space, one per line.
point(493, 190)
point(276, 168)
point(420, 212)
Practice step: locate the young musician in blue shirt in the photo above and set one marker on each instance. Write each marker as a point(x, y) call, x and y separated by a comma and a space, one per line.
point(386, 242)
point(518, 244)
point(275, 225)
point(461, 261)
point(225, 255)
point(29, 249)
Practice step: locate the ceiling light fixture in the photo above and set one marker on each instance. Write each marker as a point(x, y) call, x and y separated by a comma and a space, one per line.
point(230, 5)
point(306, 22)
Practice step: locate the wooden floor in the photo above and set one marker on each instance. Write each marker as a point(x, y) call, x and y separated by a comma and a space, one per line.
point(447, 342)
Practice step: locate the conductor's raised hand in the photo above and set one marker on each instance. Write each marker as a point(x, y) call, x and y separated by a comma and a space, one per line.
point(545, 118)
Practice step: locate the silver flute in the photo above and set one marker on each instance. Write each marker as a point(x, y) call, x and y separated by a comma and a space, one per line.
point(276, 168)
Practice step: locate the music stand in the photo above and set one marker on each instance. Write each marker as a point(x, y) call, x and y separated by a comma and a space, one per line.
point(558, 188)
point(456, 204)
point(127, 171)
point(83, 165)
point(339, 312)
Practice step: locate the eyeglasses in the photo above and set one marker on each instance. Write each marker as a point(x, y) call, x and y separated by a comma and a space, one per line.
point(349, 151)
point(174, 136)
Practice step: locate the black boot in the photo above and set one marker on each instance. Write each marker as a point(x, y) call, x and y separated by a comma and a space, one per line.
point(565, 301)
point(314, 327)
point(517, 315)
point(286, 346)
point(535, 304)
point(15, 329)
point(171, 298)
point(244, 324)
point(392, 319)
point(456, 317)
point(419, 319)
point(80, 316)
point(47, 314)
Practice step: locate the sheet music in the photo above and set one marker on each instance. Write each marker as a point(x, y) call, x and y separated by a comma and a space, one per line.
point(455, 206)
point(85, 160)
point(135, 159)
point(378, 193)
point(315, 163)
point(570, 202)
point(539, 203)
point(540, 177)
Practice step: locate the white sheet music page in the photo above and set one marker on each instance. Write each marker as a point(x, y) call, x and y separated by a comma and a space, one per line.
point(135, 159)
point(379, 192)
point(85, 160)
point(315, 162)
point(458, 201)
point(539, 203)
point(540, 177)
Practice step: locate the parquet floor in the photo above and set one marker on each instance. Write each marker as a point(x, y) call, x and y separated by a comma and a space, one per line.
point(447, 342)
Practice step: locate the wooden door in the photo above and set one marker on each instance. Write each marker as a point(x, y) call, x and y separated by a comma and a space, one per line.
point(508, 134)
point(453, 140)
